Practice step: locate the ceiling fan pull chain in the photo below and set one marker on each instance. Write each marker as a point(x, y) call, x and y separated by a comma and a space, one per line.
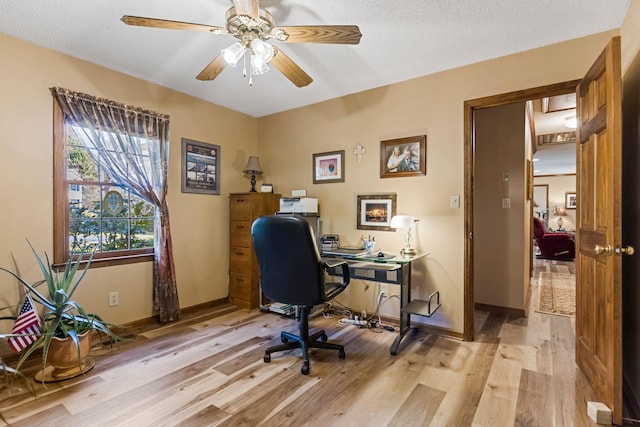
point(244, 65)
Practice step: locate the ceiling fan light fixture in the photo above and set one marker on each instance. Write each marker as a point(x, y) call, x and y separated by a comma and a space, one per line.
point(571, 122)
point(263, 50)
point(258, 66)
point(233, 53)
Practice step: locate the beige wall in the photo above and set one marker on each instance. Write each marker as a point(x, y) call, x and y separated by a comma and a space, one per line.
point(499, 260)
point(559, 185)
point(199, 222)
point(630, 35)
point(431, 105)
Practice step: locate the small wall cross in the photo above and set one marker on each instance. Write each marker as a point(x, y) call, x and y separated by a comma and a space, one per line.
point(359, 152)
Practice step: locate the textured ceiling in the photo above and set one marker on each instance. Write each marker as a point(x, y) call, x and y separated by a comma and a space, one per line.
point(402, 39)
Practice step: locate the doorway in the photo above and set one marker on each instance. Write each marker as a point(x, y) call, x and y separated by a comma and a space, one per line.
point(470, 109)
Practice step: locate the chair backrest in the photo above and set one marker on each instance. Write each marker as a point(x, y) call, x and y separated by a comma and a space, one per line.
point(290, 265)
point(538, 228)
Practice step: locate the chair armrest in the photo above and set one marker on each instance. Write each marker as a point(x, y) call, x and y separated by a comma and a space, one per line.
point(557, 236)
point(339, 263)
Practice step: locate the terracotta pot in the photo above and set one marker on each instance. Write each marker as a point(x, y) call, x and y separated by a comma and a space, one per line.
point(62, 359)
point(63, 354)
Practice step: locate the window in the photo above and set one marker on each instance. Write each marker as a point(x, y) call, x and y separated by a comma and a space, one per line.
point(91, 212)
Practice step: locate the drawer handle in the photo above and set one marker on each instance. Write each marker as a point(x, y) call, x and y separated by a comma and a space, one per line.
point(239, 253)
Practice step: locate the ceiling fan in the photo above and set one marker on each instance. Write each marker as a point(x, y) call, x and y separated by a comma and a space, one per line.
point(254, 27)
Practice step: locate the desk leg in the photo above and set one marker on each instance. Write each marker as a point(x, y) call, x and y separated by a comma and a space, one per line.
point(405, 297)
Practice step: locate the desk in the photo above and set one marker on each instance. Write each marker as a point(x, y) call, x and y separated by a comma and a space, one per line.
point(395, 270)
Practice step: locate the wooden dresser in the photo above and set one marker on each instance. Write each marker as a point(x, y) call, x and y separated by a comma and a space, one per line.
point(244, 284)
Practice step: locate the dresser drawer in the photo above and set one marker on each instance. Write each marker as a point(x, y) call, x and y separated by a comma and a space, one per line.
point(240, 207)
point(240, 233)
point(240, 286)
point(240, 259)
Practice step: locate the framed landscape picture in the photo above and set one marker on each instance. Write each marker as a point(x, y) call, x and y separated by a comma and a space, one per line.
point(375, 211)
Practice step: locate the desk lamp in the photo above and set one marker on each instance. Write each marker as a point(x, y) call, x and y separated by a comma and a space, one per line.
point(405, 221)
point(253, 168)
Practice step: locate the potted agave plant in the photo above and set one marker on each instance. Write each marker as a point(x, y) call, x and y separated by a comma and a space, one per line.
point(65, 333)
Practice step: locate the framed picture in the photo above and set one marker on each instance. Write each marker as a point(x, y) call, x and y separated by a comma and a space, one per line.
point(200, 167)
point(403, 157)
point(375, 211)
point(328, 167)
point(570, 201)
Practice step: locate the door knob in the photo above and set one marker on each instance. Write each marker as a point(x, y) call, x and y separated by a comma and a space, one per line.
point(626, 250)
point(603, 250)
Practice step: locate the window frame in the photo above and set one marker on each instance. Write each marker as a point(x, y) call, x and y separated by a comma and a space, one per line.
point(61, 216)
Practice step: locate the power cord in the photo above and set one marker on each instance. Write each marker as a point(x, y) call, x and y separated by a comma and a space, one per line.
point(349, 318)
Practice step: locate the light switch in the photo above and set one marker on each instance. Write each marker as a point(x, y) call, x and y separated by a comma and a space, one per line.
point(506, 203)
point(455, 201)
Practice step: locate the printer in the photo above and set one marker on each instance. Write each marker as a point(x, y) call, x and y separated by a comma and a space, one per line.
point(303, 205)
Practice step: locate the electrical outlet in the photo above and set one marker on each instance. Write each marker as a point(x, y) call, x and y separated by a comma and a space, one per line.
point(114, 299)
point(384, 289)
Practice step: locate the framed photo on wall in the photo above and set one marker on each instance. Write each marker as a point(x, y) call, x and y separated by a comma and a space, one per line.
point(570, 200)
point(328, 167)
point(200, 167)
point(375, 211)
point(403, 157)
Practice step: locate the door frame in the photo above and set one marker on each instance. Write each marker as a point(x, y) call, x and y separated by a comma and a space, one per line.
point(469, 167)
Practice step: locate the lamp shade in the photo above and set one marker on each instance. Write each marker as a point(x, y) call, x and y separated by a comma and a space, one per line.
point(402, 221)
point(253, 166)
point(258, 66)
point(262, 50)
point(561, 211)
point(233, 53)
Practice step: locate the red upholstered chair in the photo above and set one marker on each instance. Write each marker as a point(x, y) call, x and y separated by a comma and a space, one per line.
point(553, 245)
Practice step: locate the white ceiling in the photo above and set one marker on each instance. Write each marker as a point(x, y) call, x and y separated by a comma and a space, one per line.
point(555, 160)
point(402, 39)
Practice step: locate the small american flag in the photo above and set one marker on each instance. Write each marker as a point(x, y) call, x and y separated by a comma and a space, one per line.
point(28, 322)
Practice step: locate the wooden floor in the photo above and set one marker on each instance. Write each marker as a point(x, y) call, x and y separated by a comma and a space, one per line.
point(207, 370)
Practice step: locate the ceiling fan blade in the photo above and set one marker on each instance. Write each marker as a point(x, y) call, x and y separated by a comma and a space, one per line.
point(338, 34)
point(171, 25)
point(290, 69)
point(246, 7)
point(212, 70)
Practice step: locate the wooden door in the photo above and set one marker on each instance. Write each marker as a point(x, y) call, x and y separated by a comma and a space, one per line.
point(599, 225)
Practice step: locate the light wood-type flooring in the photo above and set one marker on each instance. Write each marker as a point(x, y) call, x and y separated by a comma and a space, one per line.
point(208, 370)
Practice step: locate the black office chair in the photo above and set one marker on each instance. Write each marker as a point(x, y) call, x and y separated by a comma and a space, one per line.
point(292, 272)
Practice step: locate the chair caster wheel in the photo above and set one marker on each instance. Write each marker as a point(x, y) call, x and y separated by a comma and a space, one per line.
point(305, 369)
point(284, 339)
point(341, 354)
point(323, 338)
point(267, 358)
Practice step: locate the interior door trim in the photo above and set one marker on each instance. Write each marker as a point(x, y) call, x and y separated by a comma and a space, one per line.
point(469, 107)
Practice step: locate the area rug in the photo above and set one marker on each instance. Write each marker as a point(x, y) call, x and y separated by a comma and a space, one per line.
point(557, 293)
